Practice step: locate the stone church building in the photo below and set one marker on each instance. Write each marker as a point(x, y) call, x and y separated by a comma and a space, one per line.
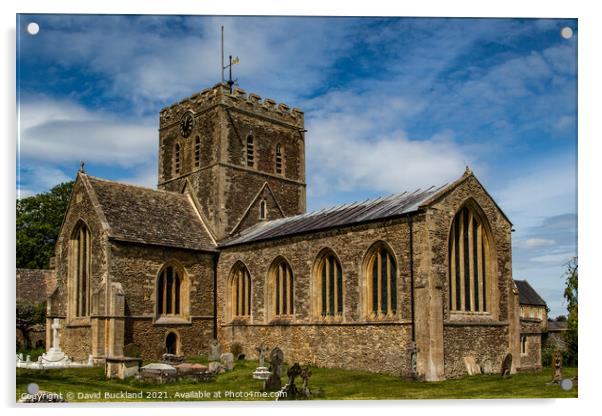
point(410, 284)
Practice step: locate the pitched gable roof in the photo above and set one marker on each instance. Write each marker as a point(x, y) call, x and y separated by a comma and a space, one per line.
point(147, 216)
point(527, 295)
point(349, 214)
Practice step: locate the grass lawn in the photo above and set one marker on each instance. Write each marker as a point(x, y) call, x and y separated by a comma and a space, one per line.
point(332, 384)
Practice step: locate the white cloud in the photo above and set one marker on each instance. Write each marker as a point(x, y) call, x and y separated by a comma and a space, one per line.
point(355, 142)
point(39, 178)
point(61, 131)
point(557, 259)
point(536, 243)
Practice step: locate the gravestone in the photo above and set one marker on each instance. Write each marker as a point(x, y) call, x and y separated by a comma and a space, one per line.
point(507, 365)
point(227, 360)
point(487, 367)
point(172, 358)
point(556, 367)
point(471, 366)
point(305, 375)
point(261, 372)
point(290, 389)
point(214, 350)
point(274, 383)
point(216, 367)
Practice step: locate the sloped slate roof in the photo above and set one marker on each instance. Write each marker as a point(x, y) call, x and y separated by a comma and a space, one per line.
point(342, 215)
point(148, 216)
point(527, 295)
point(557, 325)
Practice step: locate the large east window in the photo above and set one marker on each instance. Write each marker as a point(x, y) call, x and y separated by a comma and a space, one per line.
point(469, 263)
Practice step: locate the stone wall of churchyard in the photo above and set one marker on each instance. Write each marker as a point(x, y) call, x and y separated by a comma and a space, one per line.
point(531, 360)
point(148, 338)
point(354, 340)
point(487, 344)
point(75, 335)
point(137, 268)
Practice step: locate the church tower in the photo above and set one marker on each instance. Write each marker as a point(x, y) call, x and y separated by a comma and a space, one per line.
point(241, 158)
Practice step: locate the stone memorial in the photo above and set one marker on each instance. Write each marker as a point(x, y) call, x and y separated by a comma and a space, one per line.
point(261, 372)
point(227, 360)
point(556, 367)
point(216, 367)
point(471, 366)
point(274, 383)
point(172, 358)
point(507, 365)
point(487, 367)
point(158, 372)
point(214, 351)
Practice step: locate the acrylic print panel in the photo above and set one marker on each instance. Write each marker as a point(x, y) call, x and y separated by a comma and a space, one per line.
point(287, 208)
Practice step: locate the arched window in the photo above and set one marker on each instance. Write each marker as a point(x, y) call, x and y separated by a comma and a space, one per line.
point(250, 151)
point(278, 163)
point(169, 292)
point(80, 258)
point(240, 292)
point(263, 210)
point(177, 160)
point(468, 263)
point(282, 290)
point(329, 279)
point(382, 281)
point(197, 152)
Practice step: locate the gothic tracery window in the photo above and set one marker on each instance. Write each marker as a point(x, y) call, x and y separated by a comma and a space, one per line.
point(169, 292)
point(282, 289)
point(468, 263)
point(240, 292)
point(80, 256)
point(329, 281)
point(382, 282)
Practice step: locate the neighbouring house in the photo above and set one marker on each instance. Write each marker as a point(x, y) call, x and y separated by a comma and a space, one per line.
point(533, 325)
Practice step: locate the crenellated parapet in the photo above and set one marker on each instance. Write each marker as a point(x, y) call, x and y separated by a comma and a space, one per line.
point(238, 99)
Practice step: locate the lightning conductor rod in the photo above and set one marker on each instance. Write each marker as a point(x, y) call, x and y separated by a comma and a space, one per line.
point(222, 54)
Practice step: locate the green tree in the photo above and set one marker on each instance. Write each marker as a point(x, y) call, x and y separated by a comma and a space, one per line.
point(29, 315)
point(570, 295)
point(39, 219)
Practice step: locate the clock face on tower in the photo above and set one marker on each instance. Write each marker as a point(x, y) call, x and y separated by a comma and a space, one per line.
point(186, 124)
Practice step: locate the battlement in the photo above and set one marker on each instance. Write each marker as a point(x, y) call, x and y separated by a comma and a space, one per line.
point(220, 94)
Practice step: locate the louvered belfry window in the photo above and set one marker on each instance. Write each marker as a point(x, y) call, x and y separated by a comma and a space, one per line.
point(468, 263)
point(197, 152)
point(250, 151)
point(278, 161)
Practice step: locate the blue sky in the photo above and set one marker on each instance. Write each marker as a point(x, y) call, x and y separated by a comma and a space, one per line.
point(391, 104)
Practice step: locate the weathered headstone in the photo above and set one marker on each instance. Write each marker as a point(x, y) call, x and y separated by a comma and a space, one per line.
point(290, 389)
point(305, 375)
point(214, 350)
point(261, 350)
point(487, 367)
point(507, 365)
point(216, 367)
point(227, 359)
point(274, 383)
point(471, 366)
point(556, 367)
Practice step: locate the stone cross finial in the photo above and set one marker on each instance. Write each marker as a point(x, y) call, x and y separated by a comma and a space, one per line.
point(81, 167)
point(467, 171)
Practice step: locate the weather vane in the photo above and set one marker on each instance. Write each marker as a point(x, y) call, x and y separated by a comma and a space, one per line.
point(232, 61)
